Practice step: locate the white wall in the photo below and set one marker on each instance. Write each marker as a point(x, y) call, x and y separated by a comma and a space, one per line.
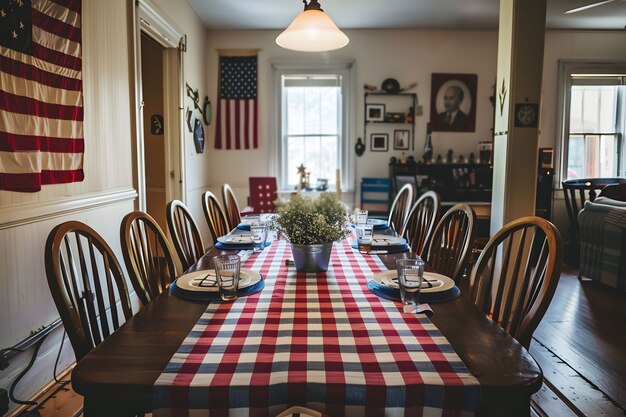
point(409, 56)
point(105, 195)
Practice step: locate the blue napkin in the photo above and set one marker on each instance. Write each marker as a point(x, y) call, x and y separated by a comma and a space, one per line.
point(390, 249)
point(227, 246)
point(213, 295)
point(425, 297)
point(243, 226)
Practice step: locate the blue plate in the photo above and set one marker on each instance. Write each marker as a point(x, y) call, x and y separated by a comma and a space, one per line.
point(425, 297)
point(390, 249)
point(226, 246)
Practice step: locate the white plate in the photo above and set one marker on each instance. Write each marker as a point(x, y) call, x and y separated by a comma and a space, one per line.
point(237, 239)
point(448, 282)
point(206, 281)
point(376, 222)
point(386, 240)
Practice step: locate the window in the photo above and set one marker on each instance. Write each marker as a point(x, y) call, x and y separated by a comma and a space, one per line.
point(594, 122)
point(313, 125)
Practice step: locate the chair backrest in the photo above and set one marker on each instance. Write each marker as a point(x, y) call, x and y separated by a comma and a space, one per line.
point(214, 215)
point(578, 191)
point(516, 275)
point(452, 241)
point(147, 254)
point(263, 194)
point(420, 223)
point(231, 208)
point(86, 282)
point(614, 192)
point(184, 233)
point(400, 208)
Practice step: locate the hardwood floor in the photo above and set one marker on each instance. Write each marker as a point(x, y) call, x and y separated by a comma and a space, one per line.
point(579, 344)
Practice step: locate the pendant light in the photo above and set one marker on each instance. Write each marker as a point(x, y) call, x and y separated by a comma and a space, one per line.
point(312, 31)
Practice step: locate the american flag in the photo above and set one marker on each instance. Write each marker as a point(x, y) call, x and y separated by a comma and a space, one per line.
point(237, 113)
point(41, 100)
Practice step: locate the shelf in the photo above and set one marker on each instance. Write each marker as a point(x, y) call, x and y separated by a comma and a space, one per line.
point(391, 123)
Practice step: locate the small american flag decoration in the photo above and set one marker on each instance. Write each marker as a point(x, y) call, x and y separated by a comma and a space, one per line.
point(41, 100)
point(237, 113)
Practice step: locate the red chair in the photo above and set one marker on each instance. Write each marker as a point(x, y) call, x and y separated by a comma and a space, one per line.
point(263, 194)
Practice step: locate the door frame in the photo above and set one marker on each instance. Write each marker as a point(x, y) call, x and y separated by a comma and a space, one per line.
point(150, 20)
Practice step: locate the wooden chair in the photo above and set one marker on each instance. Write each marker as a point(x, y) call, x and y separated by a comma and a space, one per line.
point(214, 215)
point(580, 190)
point(400, 208)
point(147, 254)
point(263, 194)
point(421, 221)
point(516, 275)
point(184, 233)
point(231, 207)
point(452, 241)
point(85, 280)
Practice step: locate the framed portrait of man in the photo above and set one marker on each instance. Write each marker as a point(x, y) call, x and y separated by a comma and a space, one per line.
point(453, 102)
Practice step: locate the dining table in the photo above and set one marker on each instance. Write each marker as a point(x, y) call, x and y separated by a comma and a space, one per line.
point(135, 370)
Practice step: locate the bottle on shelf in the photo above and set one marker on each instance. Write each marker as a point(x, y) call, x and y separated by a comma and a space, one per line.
point(428, 145)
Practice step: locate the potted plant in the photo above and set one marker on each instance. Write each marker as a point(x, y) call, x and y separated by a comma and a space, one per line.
point(311, 226)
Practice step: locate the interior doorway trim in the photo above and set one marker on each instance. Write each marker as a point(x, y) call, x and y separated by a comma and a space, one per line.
point(150, 20)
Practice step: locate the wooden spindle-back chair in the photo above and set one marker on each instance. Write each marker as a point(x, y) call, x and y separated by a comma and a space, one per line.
point(184, 233)
point(147, 254)
point(400, 208)
point(231, 207)
point(86, 282)
point(516, 275)
point(420, 222)
point(452, 241)
point(214, 215)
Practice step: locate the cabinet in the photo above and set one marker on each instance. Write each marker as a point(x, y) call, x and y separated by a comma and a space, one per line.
point(389, 121)
point(453, 182)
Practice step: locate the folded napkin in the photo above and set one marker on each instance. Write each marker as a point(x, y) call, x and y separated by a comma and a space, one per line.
point(381, 250)
point(243, 226)
point(227, 246)
point(426, 283)
point(380, 226)
point(425, 297)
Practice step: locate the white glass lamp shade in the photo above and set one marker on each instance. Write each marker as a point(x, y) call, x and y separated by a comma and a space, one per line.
point(312, 31)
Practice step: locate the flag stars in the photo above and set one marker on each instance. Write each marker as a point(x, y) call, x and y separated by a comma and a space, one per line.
point(21, 25)
point(20, 2)
point(14, 33)
point(2, 13)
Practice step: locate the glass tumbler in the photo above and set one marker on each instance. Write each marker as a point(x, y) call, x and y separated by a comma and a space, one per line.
point(227, 269)
point(410, 276)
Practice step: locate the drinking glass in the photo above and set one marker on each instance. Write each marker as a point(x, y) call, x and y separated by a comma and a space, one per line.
point(410, 276)
point(227, 270)
point(360, 216)
point(259, 233)
point(364, 237)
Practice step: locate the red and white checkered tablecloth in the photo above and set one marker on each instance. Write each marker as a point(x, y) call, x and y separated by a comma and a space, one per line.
point(322, 341)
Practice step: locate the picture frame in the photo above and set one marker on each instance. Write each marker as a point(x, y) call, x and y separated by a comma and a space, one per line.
point(375, 112)
point(453, 102)
point(401, 139)
point(379, 142)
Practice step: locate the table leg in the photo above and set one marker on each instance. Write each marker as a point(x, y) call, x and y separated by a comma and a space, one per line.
point(506, 406)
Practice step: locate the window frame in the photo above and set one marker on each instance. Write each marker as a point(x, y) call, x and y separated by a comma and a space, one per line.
point(344, 68)
point(566, 69)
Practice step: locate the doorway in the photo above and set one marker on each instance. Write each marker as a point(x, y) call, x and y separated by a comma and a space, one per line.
point(153, 128)
point(159, 163)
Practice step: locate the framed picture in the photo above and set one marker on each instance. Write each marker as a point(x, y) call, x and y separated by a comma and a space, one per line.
point(453, 102)
point(401, 139)
point(375, 112)
point(380, 142)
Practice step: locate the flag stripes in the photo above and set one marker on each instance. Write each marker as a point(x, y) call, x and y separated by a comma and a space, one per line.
point(237, 111)
point(41, 103)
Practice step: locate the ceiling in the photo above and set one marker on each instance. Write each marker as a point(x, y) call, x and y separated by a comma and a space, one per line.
point(385, 14)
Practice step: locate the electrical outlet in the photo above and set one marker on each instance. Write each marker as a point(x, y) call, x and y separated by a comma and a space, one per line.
point(419, 111)
point(4, 402)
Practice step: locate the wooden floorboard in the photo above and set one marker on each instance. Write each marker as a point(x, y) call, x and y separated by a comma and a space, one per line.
point(585, 327)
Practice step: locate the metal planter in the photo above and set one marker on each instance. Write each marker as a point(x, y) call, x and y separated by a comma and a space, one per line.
point(312, 258)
